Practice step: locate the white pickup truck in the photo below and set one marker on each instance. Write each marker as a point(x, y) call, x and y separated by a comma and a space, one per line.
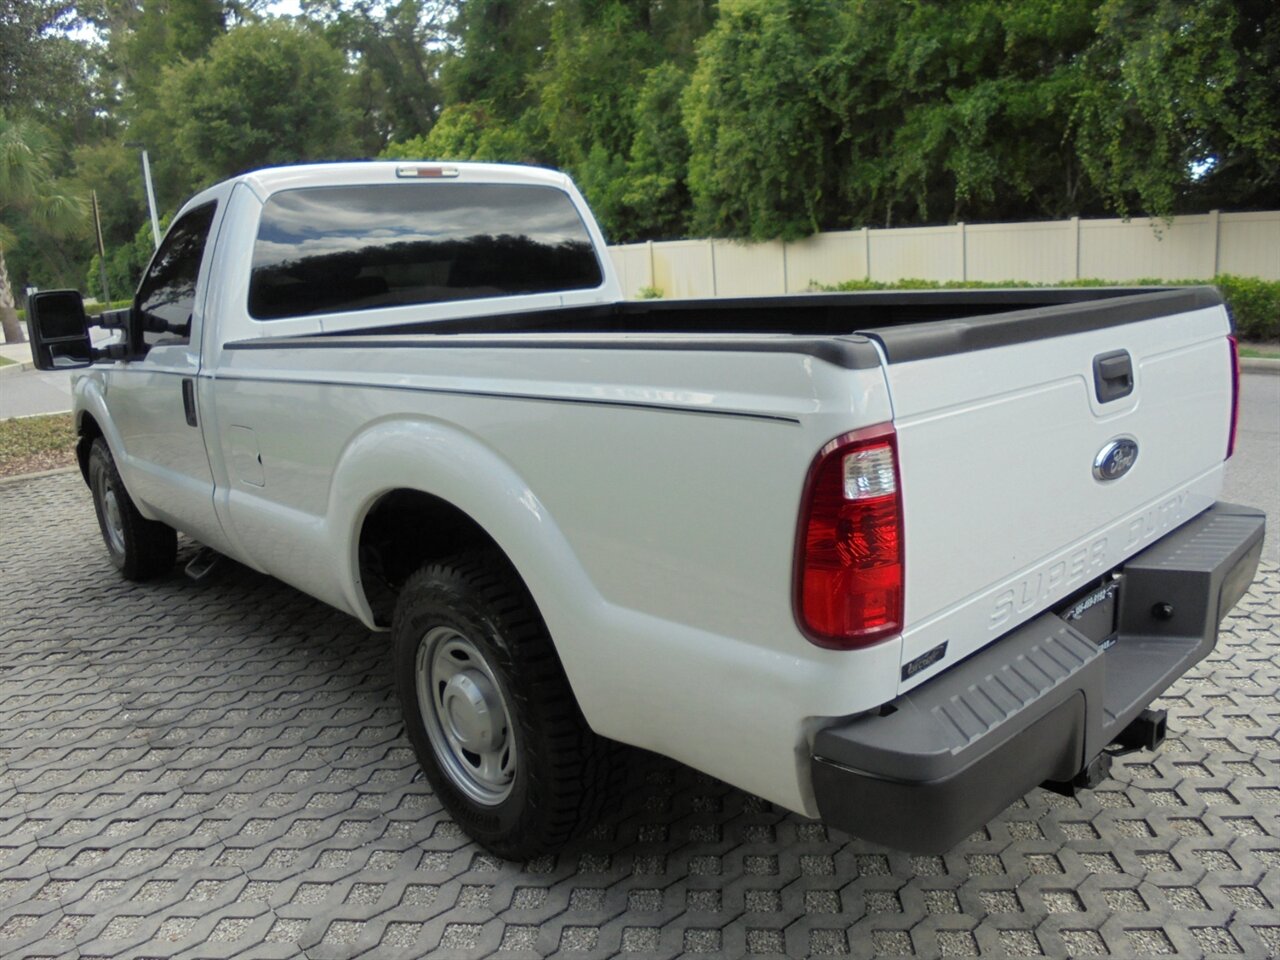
point(890, 560)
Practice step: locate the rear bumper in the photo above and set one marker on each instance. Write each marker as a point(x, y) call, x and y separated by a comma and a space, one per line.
point(1038, 704)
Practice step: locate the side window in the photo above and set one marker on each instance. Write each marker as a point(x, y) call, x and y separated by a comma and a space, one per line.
point(167, 294)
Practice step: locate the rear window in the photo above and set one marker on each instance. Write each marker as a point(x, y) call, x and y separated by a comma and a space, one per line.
point(331, 249)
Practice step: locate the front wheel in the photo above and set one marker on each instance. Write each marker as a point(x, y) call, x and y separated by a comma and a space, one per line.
point(139, 548)
point(489, 711)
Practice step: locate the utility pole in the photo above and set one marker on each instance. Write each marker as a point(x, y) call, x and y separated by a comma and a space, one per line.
point(151, 197)
point(102, 250)
point(151, 194)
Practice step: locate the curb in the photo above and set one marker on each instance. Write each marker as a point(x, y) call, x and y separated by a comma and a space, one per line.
point(36, 476)
point(1260, 365)
point(30, 416)
point(17, 367)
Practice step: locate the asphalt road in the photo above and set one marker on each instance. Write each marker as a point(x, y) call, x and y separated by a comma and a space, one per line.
point(32, 392)
point(1253, 474)
point(27, 393)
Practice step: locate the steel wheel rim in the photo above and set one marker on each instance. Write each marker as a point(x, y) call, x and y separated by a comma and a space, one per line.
point(466, 716)
point(112, 519)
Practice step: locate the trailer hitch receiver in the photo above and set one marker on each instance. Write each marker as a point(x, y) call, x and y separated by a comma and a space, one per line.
point(1145, 732)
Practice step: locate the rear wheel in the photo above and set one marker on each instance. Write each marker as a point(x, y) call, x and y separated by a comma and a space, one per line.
point(489, 711)
point(139, 548)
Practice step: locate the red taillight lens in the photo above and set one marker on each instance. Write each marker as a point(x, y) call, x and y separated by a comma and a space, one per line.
point(849, 573)
point(1235, 395)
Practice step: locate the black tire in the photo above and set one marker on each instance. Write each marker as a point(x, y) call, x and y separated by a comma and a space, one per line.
point(139, 548)
point(475, 667)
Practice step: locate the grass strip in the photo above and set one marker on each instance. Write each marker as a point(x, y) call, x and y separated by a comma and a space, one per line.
point(32, 444)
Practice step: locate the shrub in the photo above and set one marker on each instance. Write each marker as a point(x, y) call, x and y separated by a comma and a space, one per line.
point(1254, 303)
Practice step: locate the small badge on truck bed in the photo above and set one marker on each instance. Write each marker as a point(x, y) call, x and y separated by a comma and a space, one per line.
point(924, 661)
point(1093, 613)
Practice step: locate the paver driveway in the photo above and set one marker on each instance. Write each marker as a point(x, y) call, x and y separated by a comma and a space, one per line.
point(217, 769)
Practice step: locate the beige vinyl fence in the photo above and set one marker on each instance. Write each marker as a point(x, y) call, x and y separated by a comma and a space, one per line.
point(1193, 247)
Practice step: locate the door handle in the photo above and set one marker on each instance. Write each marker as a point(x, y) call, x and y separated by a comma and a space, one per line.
point(189, 400)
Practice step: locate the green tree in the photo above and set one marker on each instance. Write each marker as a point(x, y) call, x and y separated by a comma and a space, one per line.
point(587, 94)
point(469, 131)
point(957, 111)
point(595, 66)
point(654, 196)
point(125, 261)
point(1179, 110)
point(749, 118)
point(29, 190)
point(762, 158)
point(43, 72)
point(395, 52)
point(677, 26)
point(266, 93)
point(812, 115)
point(114, 171)
point(500, 45)
point(144, 38)
point(609, 98)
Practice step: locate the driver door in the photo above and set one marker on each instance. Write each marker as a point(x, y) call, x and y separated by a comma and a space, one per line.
point(153, 398)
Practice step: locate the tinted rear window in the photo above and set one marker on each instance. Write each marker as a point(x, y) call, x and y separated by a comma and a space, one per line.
point(330, 249)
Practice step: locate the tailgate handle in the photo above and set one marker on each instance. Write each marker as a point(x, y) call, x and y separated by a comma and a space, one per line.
point(1112, 375)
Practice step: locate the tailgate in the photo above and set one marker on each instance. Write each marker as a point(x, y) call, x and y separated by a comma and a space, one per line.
point(1000, 423)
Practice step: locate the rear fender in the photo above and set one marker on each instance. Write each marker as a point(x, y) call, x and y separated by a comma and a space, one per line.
point(436, 459)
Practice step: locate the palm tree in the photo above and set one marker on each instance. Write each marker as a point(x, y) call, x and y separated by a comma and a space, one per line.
point(27, 186)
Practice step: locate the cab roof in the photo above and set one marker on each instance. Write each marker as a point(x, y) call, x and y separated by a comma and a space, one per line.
point(274, 179)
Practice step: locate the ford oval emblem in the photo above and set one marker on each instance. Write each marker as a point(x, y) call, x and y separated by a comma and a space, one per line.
point(1115, 459)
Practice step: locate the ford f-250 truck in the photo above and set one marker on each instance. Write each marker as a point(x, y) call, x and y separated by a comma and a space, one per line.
point(890, 560)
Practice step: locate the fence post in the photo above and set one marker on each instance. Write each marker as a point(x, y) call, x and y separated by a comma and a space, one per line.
point(964, 251)
point(1075, 243)
point(1215, 220)
point(866, 252)
point(653, 274)
point(786, 281)
point(715, 286)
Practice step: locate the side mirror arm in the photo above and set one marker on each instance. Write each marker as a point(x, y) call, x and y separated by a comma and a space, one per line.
point(112, 351)
point(112, 319)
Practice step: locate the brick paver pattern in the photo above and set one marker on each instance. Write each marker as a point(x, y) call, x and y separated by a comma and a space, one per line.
point(217, 768)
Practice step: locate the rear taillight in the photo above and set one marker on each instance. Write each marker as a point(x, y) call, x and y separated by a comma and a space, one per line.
point(849, 572)
point(1235, 395)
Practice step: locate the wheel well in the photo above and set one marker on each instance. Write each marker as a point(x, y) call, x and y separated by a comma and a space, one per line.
point(89, 431)
point(402, 531)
